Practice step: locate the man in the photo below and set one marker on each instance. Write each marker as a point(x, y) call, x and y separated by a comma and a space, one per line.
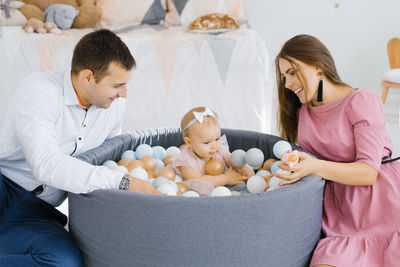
point(53, 117)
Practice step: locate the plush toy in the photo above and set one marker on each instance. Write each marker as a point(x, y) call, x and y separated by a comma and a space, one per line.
point(35, 25)
point(67, 13)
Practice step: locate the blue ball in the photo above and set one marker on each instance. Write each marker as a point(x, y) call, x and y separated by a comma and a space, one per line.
point(238, 158)
point(159, 152)
point(274, 166)
point(281, 147)
point(143, 150)
point(263, 173)
point(129, 154)
point(160, 164)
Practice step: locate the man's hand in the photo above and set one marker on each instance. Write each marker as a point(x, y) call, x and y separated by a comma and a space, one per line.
point(138, 185)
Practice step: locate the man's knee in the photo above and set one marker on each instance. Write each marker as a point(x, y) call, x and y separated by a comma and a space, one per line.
point(67, 256)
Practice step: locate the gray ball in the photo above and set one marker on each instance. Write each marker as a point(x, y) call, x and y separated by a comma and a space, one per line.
point(238, 158)
point(255, 157)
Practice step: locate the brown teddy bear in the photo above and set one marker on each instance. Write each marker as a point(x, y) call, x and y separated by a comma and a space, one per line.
point(89, 14)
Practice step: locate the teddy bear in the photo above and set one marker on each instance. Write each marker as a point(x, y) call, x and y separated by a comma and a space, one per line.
point(39, 26)
point(87, 14)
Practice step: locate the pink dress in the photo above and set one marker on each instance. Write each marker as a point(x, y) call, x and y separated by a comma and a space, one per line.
point(189, 159)
point(361, 223)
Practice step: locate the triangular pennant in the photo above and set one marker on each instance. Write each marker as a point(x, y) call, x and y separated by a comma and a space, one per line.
point(179, 5)
point(237, 10)
point(222, 50)
point(155, 13)
point(167, 51)
point(202, 7)
point(221, 8)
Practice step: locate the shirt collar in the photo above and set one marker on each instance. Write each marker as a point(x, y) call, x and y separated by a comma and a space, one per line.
point(70, 95)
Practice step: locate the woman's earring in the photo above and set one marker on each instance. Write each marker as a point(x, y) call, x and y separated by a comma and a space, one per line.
point(320, 89)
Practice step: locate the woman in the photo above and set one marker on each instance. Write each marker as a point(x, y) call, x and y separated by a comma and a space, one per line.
point(345, 129)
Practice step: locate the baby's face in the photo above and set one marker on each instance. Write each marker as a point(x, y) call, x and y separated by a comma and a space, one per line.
point(206, 138)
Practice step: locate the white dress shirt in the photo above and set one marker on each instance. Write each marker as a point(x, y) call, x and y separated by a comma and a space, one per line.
point(45, 127)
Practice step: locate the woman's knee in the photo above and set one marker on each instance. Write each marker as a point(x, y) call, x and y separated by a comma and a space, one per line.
point(323, 265)
point(66, 256)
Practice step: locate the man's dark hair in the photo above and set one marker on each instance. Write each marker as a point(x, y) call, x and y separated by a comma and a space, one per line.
point(96, 50)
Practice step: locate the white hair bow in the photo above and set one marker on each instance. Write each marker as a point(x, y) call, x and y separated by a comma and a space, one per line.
point(199, 117)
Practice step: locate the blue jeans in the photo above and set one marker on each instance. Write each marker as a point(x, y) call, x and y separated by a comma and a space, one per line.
point(32, 231)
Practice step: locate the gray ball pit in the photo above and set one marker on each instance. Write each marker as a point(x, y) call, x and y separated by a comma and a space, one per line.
point(118, 228)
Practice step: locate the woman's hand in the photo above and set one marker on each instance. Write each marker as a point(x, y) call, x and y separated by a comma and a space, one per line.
point(304, 167)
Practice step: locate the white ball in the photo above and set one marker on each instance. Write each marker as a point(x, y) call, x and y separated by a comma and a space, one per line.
point(160, 181)
point(110, 164)
point(256, 184)
point(159, 152)
point(173, 150)
point(174, 185)
point(143, 150)
point(160, 164)
point(190, 194)
point(274, 166)
point(281, 147)
point(263, 173)
point(238, 158)
point(167, 189)
point(255, 157)
point(139, 173)
point(221, 191)
point(178, 178)
point(274, 183)
point(128, 154)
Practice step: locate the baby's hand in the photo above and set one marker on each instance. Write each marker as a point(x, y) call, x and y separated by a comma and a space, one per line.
point(234, 177)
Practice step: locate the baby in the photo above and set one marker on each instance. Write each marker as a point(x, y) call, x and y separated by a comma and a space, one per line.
point(202, 135)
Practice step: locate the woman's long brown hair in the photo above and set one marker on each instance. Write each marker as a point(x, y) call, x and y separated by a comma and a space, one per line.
point(309, 50)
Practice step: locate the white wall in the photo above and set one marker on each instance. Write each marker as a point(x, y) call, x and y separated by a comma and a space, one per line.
point(356, 32)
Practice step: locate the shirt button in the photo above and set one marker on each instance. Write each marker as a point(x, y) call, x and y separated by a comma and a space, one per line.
point(84, 125)
point(80, 138)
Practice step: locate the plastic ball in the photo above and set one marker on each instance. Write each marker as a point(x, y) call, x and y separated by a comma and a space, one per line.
point(169, 160)
point(139, 173)
point(263, 173)
point(167, 189)
point(281, 147)
point(255, 157)
point(167, 173)
point(214, 167)
point(178, 178)
point(274, 183)
point(129, 154)
point(256, 184)
point(190, 194)
point(124, 162)
point(143, 150)
point(160, 164)
point(238, 158)
point(173, 151)
point(268, 163)
point(159, 152)
point(150, 164)
point(221, 191)
point(159, 181)
point(182, 188)
point(282, 172)
point(290, 157)
point(174, 185)
point(110, 164)
point(275, 167)
point(134, 164)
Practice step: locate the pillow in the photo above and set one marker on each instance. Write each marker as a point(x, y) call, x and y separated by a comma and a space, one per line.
point(183, 12)
point(132, 11)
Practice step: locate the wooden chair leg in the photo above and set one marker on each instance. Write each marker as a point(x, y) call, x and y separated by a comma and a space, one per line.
point(384, 94)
